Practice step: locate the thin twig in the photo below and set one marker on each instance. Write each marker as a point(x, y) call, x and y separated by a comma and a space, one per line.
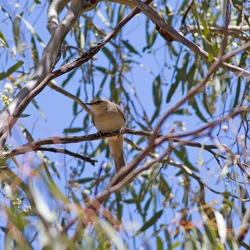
point(67, 152)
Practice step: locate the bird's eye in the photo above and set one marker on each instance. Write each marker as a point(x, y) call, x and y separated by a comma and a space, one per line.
point(98, 102)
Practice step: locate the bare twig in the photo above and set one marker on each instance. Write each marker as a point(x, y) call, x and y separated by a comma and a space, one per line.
point(183, 20)
point(67, 152)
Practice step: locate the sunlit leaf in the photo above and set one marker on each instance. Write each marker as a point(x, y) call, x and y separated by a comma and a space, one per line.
point(35, 56)
point(41, 205)
point(3, 40)
point(183, 111)
point(11, 70)
point(222, 226)
point(159, 243)
point(17, 37)
point(225, 170)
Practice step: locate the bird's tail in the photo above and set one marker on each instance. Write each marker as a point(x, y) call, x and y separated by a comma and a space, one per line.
point(117, 150)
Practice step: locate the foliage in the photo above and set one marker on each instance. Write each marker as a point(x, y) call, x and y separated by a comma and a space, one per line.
point(188, 179)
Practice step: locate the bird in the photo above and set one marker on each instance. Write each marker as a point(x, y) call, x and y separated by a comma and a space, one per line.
point(108, 117)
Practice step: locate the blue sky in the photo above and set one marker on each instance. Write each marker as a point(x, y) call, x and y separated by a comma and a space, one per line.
point(58, 109)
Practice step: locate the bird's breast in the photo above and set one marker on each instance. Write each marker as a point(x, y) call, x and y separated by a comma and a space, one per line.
point(109, 121)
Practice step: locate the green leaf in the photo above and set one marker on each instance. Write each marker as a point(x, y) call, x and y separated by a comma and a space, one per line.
point(109, 55)
point(181, 76)
point(75, 105)
point(121, 12)
point(147, 205)
point(72, 130)
point(129, 201)
point(3, 40)
point(130, 47)
point(204, 24)
point(184, 111)
point(196, 107)
point(151, 35)
point(69, 77)
point(210, 234)
point(237, 93)
point(101, 69)
point(35, 56)
point(163, 186)
point(157, 91)
point(159, 243)
point(11, 70)
point(17, 37)
point(83, 180)
point(183, 156)
point(6, 12)
point(208, 37)
point(150, 222)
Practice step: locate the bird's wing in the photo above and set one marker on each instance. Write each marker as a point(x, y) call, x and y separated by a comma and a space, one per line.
point(121, 112)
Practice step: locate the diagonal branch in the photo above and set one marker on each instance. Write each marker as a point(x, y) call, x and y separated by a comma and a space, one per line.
point(164, 28)
point(34, 145)
point(43, 74)
point(46, 64)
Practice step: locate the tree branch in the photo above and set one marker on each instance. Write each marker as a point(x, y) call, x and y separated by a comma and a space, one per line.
point(49, 58)
point(165, 29)
point(35, 145)
point(43, 74)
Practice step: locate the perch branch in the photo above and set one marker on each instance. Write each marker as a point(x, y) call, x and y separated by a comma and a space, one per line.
point(45, 66)
point(43, 74)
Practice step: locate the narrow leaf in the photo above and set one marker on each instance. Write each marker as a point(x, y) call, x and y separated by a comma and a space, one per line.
point(32, 31)
point(130, 47)
point(72, 130)
point(150, 222)
point(109, 55)
point(222, 226)
point(17, 37)
point(3, 40)
point(11, 70)
point(157, 91)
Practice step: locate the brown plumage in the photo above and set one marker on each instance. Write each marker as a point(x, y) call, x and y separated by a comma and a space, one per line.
point(109, 117)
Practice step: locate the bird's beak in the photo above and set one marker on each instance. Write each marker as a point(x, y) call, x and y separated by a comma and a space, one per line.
point(88, 103)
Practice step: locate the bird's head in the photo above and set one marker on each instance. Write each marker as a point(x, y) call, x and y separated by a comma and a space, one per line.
point(98, 105)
